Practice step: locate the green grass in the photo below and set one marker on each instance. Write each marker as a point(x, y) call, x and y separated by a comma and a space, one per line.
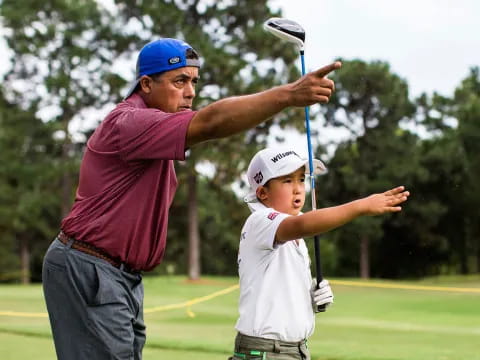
point(364, 322)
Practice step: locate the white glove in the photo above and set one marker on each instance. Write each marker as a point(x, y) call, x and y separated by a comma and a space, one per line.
point(321, 296)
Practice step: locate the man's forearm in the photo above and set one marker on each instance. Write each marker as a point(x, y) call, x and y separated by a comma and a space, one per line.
point(236, 114)
point(230, 116)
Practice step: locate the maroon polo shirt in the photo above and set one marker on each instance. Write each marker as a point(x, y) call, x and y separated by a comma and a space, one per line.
point(127, 183)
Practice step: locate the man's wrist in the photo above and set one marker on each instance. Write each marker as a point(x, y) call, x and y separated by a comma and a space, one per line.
point(282, 95)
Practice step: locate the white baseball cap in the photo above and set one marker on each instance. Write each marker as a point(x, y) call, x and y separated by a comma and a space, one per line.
point(271, 163)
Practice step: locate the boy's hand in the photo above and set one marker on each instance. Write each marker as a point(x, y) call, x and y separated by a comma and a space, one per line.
point(321, 296)
point(386, 202)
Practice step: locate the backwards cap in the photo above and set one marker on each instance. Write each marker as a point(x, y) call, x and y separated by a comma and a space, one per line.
point(271, 163)
point(160, 56)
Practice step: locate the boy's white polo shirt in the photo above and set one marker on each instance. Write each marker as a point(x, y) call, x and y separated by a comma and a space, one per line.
point(275, 281)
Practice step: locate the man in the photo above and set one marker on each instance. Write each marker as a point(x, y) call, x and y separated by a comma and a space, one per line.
point(117, 226)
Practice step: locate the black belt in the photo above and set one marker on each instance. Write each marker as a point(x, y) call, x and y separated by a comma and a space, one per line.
point(93, 251)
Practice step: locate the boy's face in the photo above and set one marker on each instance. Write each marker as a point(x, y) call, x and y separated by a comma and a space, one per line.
point(286, 193)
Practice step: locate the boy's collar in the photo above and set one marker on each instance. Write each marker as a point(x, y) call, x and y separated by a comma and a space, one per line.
point(253, 203)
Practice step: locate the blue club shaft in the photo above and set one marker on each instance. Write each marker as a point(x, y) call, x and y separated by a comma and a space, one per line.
point(318, 266)
point(309, 141)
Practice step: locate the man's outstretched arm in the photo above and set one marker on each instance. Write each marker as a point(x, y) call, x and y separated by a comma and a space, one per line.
point(235, 114)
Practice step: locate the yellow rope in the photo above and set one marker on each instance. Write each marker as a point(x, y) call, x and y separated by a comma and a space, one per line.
point(408, 287)
point(189, 303)
point(23, 314)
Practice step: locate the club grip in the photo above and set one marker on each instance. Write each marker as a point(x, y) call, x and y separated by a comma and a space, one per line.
point(318, 268)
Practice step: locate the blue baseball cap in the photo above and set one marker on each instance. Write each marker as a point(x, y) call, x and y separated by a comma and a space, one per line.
point(160, 56)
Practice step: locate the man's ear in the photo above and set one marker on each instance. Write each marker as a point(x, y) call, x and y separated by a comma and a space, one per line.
point(145, 84)
point(262, 193)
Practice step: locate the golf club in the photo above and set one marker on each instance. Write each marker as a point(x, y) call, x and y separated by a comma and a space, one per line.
point(292, 32)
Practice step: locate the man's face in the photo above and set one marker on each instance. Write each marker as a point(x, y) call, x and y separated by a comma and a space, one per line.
point(285, 193)
point(172, 91)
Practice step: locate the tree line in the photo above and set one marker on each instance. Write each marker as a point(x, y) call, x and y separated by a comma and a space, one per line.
point(67, 57)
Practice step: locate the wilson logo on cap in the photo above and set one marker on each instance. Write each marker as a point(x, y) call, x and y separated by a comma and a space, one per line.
point(282, 155)
point(258, 177)
point(174, 60)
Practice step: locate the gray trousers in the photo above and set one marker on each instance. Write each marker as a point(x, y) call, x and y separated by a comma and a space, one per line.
point(95, 309)
point(256, 348)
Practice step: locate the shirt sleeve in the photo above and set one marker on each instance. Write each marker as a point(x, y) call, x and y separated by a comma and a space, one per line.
point(263, 226)
point(152, 134)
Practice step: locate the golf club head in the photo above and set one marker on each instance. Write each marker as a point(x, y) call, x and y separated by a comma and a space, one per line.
point(286, 30)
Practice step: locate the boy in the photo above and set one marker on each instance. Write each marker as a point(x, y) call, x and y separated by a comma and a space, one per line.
point(277, 293)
